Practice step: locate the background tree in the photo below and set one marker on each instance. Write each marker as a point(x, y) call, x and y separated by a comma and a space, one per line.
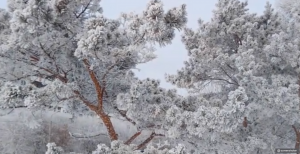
point(254, 61)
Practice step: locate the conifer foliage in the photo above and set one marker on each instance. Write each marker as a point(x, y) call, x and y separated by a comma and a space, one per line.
point(254, 61)
point(65, 55)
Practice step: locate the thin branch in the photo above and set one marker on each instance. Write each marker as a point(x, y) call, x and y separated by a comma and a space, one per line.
point(61, 78)
point(220, 79)
point(45, 52)
point(134, 136)
point(85, 101)
point(194, 144)
point(203, 86)
point(7, 112)
point(123, 114)
point(75, 136)
point(48, 55)
point(66, 42)
point(143, 144)
point(108, 70)
point(84, 9)
point(229, 76)
point(16, 107)
point(140, 38)
point(64, 99)
point(230, 66)
point(16, 78)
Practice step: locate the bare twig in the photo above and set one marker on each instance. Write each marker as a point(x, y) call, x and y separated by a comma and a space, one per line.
point(84, 9)
point(236, 83)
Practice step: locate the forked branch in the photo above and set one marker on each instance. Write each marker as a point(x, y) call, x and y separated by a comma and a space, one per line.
point(99, 108)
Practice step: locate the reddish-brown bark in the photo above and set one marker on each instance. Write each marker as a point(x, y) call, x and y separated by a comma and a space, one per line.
point(96, 84)
point(99, 108)
point(134, 136)
point(108, 124)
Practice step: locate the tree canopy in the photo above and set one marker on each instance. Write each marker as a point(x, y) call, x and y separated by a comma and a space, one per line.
point(65, 55)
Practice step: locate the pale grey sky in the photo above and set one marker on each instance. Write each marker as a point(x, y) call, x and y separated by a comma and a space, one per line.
point(171, 57)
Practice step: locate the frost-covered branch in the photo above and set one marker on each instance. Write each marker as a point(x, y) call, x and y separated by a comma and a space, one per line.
point(134, 136)
point(144, 143)
point(84, 9)
point(86, 136)
point(98, 87)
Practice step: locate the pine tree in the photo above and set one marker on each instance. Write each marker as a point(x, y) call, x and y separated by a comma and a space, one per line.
point(82, 59)
point(253, 60)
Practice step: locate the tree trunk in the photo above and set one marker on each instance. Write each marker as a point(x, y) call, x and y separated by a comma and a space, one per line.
point(104, 117)
point(99, 108)
point(108, 124)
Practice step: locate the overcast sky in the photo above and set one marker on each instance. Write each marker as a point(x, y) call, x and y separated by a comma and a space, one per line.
point(171, 57)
